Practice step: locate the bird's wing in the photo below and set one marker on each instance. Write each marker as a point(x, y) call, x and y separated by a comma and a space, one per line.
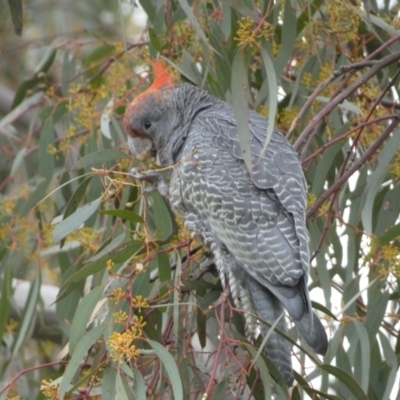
point(260, 218)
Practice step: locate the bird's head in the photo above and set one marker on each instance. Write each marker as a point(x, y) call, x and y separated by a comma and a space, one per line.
point(150, 117)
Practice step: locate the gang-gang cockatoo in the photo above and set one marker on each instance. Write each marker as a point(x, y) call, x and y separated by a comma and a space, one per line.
point(254, 224)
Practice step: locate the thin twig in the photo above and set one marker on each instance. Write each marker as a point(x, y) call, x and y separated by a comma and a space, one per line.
point(347, 134)
point(357, 165)
point(344, 95)
point(26, 371)
point(353, 68)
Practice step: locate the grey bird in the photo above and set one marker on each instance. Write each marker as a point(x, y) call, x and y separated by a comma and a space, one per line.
point(254, 224)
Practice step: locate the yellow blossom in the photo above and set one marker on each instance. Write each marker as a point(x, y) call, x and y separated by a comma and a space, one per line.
point(7, 206)
point(122, 346)
point(140, 302)
point(12, 325)
point(117, 295)
point(49, 391)
point(110, 265)
point(139, 322)
point(395, 167)
point(245, 33)
point(120, 316)
point(307, 80)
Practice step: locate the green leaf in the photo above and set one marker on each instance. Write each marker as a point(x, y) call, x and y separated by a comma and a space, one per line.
point(171, 368)
point(392, 361)
point(220, 390)
point(164, 225)
point(288, 38)
point(154, 40)
point(141, 284)
point(389, 235)
point(43, 66)
point(240, 91)
point(261, 363)
point(75, 220)
point(375, 314)
point(148, 7)
point(272, 93)
point(108, 249)
point(29, 315)
point(46, 160)
point(82, 315)
point(18, 161)
point(380, 23)
point(189, 69)
point(80, 352)
point(189, 12)
point(68, 71)
point(16, 15)
point(365, 353)
point(127, 250)
point(77, 197)
point(140, 385)
point(20, 109)
point(120, 391)
point(100, 53)
point(123, 214)
point(307, 15)
point(347, 380)
point(374, 180)
point(108, 385)
point(99, 158)
point(5, 296)
point(325, 310)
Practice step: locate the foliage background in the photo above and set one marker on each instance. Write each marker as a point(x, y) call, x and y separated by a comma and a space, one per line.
point(72, 219)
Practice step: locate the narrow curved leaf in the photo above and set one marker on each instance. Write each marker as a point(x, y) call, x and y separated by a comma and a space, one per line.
point(347, 380)
point(272, 95)
point(82, 315)
point(100, 157)
point(123, 214)
point(171, 368)
point(80, 351)
point(239, 88)
point(75, 220)
point(16, 15)
point(375, 180)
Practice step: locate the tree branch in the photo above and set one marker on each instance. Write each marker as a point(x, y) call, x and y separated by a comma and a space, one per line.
point(357, 165)
point(343, 96)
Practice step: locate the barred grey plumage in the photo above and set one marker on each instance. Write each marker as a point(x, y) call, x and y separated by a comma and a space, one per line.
point(253, 224)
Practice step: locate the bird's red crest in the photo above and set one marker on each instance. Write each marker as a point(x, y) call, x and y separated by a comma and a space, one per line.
point(163, 77)
point(163, 80)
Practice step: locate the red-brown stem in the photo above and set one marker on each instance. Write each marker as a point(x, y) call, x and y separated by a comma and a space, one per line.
point(26, 371)
point(218, 355)
point(345, 135)
point(344, 95)
point(357, 165)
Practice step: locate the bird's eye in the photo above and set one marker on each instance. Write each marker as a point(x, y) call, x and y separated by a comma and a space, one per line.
point(147, 124)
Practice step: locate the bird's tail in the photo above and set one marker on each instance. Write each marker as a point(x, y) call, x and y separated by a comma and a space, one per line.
point(269, 308)
point(296, 300)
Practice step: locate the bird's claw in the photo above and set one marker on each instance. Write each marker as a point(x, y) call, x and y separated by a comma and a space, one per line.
point(154, 178)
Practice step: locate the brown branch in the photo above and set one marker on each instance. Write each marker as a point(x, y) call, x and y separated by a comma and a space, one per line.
point(328, 220)
point(344, 95)
point(324, 84)
point(26, 371)
point(357, 165)
point(345, 135)
point(341, 71)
